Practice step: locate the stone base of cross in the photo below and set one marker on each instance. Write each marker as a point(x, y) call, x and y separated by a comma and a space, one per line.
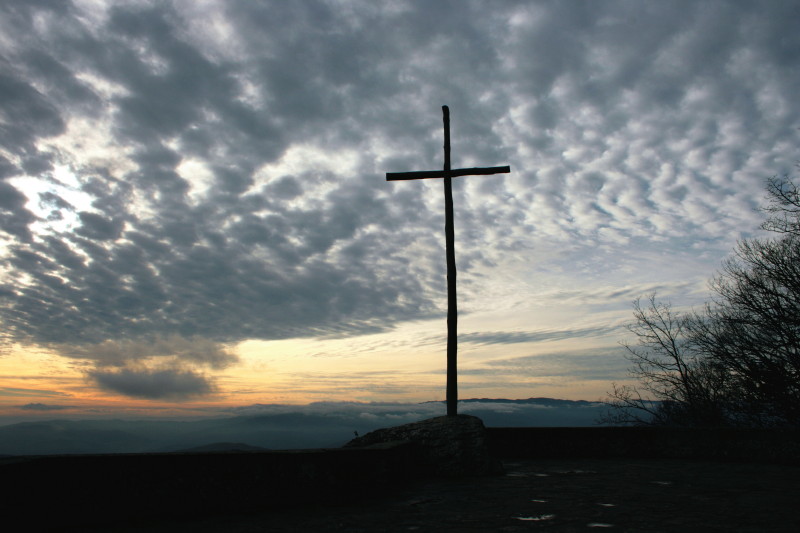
point(452, 311)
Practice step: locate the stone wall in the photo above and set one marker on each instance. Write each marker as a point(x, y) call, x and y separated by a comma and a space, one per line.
point(86, 490)
point(94, 489)
point(747, 445)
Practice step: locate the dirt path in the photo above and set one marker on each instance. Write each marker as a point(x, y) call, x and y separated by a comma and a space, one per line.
point(553, 495)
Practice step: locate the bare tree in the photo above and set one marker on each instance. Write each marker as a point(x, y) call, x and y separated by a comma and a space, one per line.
point(738, 361)
point(678, 385)
point(783, 207)
point(752, 329)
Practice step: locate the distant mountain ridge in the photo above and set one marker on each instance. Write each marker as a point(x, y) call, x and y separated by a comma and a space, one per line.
point(223, 447)
point(551, 402)
point(324, 425)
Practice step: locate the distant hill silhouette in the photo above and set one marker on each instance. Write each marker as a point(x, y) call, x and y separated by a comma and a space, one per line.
point(70, 437)
point(223, 447)
point(315, 426)
point(549, 402)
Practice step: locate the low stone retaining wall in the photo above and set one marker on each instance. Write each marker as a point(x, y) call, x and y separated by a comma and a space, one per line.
point(54, 491)
point(75, 490)
point(743, 445)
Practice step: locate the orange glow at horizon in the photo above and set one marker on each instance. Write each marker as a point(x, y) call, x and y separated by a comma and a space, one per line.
point(372, 368)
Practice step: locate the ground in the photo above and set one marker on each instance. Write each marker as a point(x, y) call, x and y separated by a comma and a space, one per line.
point(552, 495)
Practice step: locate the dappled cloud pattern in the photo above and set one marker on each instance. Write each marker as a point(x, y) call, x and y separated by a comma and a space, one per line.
point(177, 177)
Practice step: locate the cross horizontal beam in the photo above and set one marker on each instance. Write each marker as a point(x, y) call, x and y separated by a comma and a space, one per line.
point(456, 172)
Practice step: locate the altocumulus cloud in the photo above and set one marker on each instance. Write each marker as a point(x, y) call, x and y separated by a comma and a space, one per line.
point(176, 177)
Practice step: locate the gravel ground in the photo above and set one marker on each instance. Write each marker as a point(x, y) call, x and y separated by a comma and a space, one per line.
point(554, 495)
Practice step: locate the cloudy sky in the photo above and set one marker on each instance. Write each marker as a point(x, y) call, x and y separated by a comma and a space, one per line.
point(194, 212)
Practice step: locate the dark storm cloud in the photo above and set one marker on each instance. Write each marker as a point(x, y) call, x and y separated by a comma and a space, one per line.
point(197, 351)
point(98, 227)
point(15, 219)
point(231, 266)
point(168, 384)
point(228, 158)
point(27, 114)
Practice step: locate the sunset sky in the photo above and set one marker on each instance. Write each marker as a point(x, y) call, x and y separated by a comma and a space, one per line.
point(194, 214)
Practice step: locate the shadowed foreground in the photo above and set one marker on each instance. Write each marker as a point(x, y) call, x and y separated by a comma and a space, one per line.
point(561, 479)
point(553, 495)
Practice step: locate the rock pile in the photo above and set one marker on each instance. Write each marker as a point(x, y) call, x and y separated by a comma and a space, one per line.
point(452, 446)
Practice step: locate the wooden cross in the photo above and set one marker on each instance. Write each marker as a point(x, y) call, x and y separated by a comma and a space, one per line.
point(452, 313)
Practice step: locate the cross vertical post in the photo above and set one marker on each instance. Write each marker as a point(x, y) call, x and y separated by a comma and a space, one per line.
point(450, 250)
point(449, 229)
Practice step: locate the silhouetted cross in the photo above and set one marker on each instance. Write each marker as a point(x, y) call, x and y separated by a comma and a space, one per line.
point(452, 311)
